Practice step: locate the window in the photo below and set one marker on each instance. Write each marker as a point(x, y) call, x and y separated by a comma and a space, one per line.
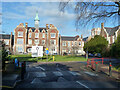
point(75, 43)
point(6, 42)
point(20, 49)
point(72, 43)
point(69, 43)
point(29, 41)
point(19, 41)
point(36, 41)
point(52, 35)
point(79, 43)
point(53, 49)
point(43, 42)
point(53, 42)
point(20, 34)
point(30, 34)
point(43, 35)
point(36, 35)
point(64, 43)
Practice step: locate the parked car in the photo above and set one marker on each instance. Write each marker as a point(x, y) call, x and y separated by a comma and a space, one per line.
point(97, 55)
point(90, 55)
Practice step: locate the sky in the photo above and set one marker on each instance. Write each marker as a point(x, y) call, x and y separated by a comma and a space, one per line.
point(14, 13)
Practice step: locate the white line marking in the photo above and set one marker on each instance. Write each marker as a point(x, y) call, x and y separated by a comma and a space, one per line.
point(83, 85)
point(40, 74)
point(58, 73)
point(33, 81)
point(90, 73)
point(42, 68)
point(74, 73)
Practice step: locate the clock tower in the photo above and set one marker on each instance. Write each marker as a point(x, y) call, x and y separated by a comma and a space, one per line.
point(37, 20)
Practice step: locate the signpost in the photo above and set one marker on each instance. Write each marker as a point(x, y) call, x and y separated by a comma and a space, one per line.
point(37, 51)
point(47, 53)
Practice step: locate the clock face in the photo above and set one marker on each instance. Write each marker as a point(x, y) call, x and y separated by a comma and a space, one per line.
point(36, 22)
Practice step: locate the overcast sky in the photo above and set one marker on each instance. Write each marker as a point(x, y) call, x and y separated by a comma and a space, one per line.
point(14, 13)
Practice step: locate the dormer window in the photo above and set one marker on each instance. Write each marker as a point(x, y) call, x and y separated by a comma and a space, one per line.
point(20, 34)
point(36, 35)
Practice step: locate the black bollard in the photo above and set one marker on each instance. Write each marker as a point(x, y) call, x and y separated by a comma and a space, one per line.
point(25, 66)
point(22, 71)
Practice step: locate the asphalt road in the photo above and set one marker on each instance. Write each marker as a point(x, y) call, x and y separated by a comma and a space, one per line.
point(64, 75)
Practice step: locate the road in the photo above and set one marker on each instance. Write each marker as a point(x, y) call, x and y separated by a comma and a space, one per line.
point(64, 75)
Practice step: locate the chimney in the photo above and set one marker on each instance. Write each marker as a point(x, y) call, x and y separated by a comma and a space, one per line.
point(50, 25)
point(26, 25)
point(81, 36)
point(102, 25)
point(47, 26)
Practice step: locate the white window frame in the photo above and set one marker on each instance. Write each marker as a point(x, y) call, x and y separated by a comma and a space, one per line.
point(30, 35)
point(51, 35)
point(20, 47)
point(20, 34)
point(79, 43)
point(43, 41)
point(68, 43)
point(36, 36)
point(20, 42)
point(64, 43)
point(30, 41)
point(43, 35)
point(54, 42)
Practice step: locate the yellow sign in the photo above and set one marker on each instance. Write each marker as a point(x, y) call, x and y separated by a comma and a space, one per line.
point(46, 48)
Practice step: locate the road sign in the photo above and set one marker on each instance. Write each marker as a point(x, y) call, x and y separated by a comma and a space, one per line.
point(37, 51)
point(46, 48)
point(47, 51)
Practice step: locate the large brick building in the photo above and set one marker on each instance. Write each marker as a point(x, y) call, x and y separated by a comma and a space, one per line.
point(25, 37)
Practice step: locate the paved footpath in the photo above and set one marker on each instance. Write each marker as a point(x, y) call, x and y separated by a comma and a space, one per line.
point(64, 75)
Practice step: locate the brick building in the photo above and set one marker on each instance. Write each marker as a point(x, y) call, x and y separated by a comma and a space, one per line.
point(8, 39)
point(25, 37)
point(95, 31)
point(71, 45)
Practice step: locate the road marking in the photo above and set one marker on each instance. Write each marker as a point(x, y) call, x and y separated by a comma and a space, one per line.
point(83, 85)
point(90, 73)
point(42, 68)
point(58, 73)
point(74, 73)
point(40, 74)
point(36, 80)
point(6, 87)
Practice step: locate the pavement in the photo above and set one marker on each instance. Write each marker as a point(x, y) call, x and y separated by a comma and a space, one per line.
point(65, 75)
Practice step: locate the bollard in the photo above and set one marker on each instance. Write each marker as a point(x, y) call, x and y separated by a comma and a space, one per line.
point(24, 66)
point(53, 58)
point(110, 72)
point(96, 66)
point(22, 71)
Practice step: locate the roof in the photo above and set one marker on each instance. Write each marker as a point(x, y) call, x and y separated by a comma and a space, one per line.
point(4, 36)
point(85, 39)
point(40, 29)
point(111, 31)
point(66, 38)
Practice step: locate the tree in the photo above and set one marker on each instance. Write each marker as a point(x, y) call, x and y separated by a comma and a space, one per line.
point(115, 48)
point(88, 13)
point(3, 53)
point(96, 45)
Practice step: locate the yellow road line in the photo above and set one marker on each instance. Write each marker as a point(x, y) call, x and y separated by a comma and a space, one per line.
point(6, 87)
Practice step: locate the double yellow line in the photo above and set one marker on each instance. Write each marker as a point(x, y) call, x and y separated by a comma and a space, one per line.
point(6, 87)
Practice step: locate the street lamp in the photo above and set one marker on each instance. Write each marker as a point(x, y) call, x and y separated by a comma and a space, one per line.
point(37, 52)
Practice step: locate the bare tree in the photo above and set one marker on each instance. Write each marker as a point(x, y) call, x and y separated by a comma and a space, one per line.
point(93, 12)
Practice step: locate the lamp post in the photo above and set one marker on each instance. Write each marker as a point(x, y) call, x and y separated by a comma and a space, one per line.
point(47, 43)
point(37, 52)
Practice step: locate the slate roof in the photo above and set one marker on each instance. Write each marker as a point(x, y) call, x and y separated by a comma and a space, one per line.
point(85, 39)
point(33, 29)
point(111, 31)
point(66, 38)
point(4, 36)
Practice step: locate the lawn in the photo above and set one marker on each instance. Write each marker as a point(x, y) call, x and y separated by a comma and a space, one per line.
point(50, 58)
